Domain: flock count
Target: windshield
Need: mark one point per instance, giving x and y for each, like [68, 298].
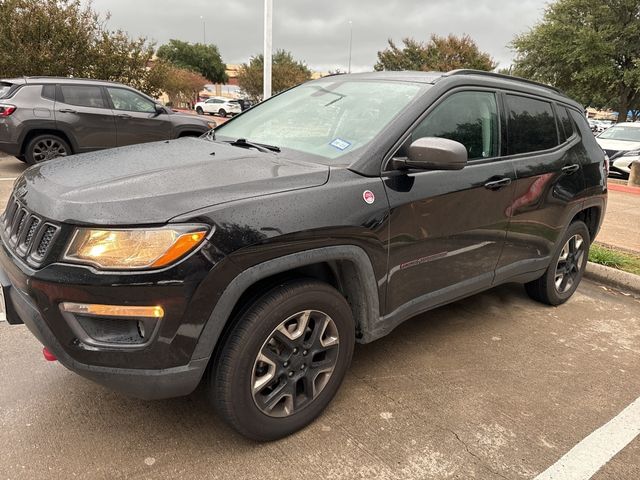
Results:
[622, 132]
[329, 119]
[4, 88]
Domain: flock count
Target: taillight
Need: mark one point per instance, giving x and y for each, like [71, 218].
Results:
[6, 110]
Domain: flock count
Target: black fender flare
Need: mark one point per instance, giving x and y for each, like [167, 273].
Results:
[365, 304]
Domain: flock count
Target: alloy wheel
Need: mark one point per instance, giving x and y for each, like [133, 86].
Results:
[48, 149]
[295, 363]
[569, 263]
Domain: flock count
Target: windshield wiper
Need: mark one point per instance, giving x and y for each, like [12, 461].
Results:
[263, 147]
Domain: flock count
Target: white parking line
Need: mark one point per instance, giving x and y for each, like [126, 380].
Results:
[592, 453]
[8, 178]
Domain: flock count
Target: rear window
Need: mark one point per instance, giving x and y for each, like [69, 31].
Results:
[4, 88]
[83, 95]
[532, 125]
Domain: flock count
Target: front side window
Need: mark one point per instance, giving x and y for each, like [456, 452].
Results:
[532, 125]
[330, 118]
[470, 118]
[130, 101]
[83, 96]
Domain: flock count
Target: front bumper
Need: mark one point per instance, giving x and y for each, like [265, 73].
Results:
[167, 367]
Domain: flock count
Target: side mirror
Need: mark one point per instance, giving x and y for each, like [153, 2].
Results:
[432, 153]
[160, 109]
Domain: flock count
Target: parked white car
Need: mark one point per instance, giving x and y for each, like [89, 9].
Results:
[621, 142]
[218, 106]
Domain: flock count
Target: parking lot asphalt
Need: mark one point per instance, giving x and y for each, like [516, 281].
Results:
[493, 386]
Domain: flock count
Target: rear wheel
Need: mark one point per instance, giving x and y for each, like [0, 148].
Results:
[285, 359]
[46, 147]
[567, 267]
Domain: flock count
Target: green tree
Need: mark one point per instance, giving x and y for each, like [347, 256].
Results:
[180, 84]
[440, 54]
[286, 73]
[67, 38]
[201, 58]
[588, 48]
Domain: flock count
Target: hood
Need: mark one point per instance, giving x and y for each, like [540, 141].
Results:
[155, 182]
[617, 145]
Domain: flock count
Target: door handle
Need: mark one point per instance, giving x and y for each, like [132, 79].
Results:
[67, 110]
[498, 184]
[124, 115]
[569, 169]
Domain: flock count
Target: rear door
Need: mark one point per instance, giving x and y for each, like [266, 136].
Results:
[83, 113]
[447, 228]
[137, 120]
[547, 154]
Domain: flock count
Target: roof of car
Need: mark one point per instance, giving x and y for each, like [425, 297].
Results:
[48, 80]
[627, 124]
[464, 75]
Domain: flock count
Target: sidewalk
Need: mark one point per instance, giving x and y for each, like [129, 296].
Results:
[621, 226]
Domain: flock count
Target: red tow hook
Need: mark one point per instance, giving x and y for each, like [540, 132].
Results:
[48, 356]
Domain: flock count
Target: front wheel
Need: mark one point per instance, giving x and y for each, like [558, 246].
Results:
[562, 277]
[199, 111]
[222, 112]
[285, 359]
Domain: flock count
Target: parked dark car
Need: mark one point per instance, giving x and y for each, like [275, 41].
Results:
[46, 117]
[325, 216]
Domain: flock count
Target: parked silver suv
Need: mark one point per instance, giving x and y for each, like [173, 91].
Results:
[46, 117]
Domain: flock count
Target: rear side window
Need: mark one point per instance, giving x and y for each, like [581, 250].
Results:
[470, 118]
[49, 91]
[532, 125]
[82, 95]
[566, 125]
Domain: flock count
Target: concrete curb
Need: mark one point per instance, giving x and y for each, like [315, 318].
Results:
[610, 276]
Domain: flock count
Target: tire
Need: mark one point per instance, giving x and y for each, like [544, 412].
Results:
[222, 112]
[562, 277]
[46, 147]
[258, 359]
[199, 111]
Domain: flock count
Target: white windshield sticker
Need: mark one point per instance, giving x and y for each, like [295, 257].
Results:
[340, 144]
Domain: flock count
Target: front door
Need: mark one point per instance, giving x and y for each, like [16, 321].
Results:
[447, 228]
[137, 120]
[83, 114]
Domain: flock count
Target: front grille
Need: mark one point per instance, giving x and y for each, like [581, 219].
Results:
[26, 234]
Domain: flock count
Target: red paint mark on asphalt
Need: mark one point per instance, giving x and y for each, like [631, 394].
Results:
[624, 188]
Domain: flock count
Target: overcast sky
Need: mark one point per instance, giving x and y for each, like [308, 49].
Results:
[317, 31]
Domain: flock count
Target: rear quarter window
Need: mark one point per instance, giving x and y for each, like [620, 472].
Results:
[5, 88]
[565, 123]
[531, 126]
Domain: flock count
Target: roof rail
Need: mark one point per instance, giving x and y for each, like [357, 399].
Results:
[469, 71]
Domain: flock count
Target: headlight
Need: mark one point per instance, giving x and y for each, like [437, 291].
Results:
[133, 249]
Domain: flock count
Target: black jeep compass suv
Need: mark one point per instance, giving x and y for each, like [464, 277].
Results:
[255, 257]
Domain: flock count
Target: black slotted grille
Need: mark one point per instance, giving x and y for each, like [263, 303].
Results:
[45, 241]
[27, 234]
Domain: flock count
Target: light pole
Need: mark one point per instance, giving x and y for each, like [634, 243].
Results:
[268, 30]
[350, 43]
[204, 30]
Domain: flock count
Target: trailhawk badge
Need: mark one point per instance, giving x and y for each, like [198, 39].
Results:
[368, 196]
